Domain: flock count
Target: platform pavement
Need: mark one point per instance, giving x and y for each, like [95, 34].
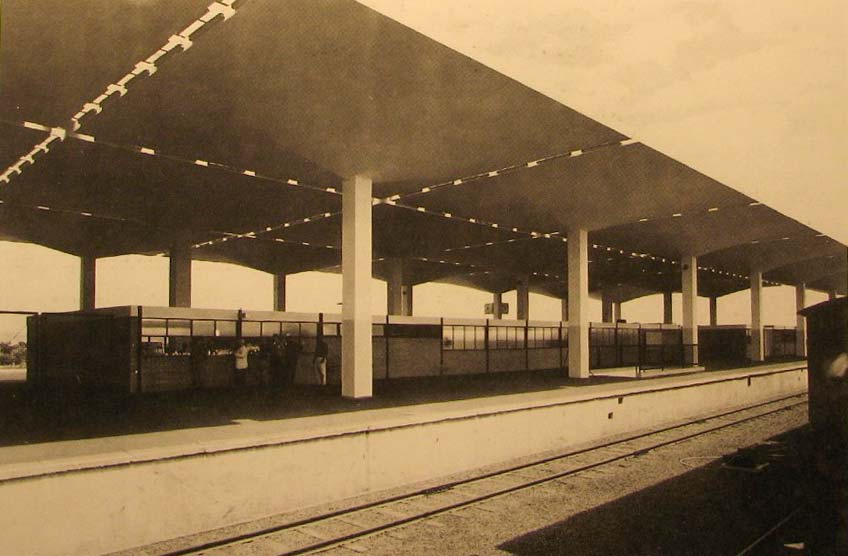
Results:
[12, 374]
[310, 414]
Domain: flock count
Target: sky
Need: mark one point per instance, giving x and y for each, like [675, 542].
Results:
[751, 93]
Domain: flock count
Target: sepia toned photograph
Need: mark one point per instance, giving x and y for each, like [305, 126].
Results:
[406, 277]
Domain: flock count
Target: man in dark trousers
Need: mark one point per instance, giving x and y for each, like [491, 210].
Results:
[291, 355]
[276, 363]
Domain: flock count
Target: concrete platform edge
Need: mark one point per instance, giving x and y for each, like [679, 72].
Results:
[121, 506]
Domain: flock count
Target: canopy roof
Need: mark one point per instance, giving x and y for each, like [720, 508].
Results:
[243, 139]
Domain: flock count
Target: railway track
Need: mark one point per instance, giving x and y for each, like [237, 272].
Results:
[346, 527]
[763, 539]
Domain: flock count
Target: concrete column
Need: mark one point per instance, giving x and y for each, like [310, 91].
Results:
[357, 364]
[179, 283]
[398, 292]
[88, 279]
[713, 311]
[497, 305]
[668, 315]
[522, 298]
[564, 304]
[406, 300]
[394, 287]
[689, 275]
[757, 344]
[606, 308]
[801, 322]
[578, 304]
[616, 311]
[280, 292]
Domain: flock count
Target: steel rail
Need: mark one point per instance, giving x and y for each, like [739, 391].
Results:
[765, 536]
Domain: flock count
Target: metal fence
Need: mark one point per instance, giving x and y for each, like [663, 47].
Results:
[173, 348]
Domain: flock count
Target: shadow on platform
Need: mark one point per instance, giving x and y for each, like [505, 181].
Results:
[28, 417]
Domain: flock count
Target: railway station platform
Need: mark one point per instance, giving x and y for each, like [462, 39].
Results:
[258, 456]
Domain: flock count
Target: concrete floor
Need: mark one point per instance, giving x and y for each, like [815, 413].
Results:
[12, 374]
[28, 417]
[39, 432]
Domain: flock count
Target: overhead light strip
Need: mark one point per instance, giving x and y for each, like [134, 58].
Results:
[509, 169]
[255, 234]
[148, 66]
[60, 134]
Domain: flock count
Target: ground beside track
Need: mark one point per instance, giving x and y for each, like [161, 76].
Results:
[675, 500]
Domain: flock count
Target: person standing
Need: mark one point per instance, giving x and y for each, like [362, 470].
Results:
[241, 365]
[319, 362]
[198, 358]
[276, 364]
[291, 356]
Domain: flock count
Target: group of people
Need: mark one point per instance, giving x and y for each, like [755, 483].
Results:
[282, 355]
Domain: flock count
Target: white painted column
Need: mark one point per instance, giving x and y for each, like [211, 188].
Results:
[668, 308]
[279, 292]
[357, 363]
[606, 308]
[497, 306]
[801, 322]
[713, 311]
[757, 344]
[522, 298]
[179, 282]
[564, 304]
[689, 275]
[578, 304]
[88, 281]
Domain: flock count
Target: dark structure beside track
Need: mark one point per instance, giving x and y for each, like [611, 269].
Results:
[827, 349]
[827, 341]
